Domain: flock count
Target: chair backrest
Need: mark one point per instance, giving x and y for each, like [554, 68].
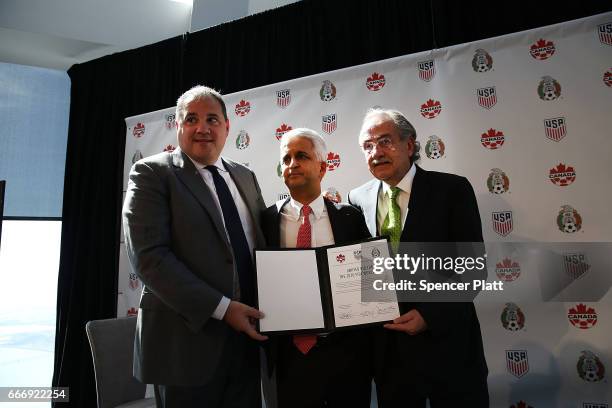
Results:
[112, 348]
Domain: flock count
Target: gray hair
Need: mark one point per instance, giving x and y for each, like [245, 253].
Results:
[318, 143]
[405, 128]
[197, 93]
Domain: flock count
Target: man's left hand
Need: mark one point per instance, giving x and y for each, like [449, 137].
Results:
[410, 323]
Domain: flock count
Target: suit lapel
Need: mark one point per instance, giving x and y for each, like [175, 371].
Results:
[334, 221]
[418, 197]
[274, 231]
[370, 206]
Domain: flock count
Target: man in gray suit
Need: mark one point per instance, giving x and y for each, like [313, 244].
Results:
[191, 220]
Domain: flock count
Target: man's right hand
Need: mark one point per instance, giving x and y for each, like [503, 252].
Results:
[241, 318]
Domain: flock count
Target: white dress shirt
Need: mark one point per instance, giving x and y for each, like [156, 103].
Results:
[291, 218]
[403, 198]
[245, 216]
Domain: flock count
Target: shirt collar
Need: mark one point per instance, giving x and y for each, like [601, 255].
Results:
[405, 183]
[294, 208]
[218, 164]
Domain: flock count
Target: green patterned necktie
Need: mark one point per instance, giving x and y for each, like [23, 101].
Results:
[392, 226]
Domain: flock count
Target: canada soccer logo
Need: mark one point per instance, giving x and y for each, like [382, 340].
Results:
[328, 91]
[340, 258]
[139, 130]
[549, 89]
[169, 148]
[132, 311]
[582, 317]
[333, 161]
[498, 182]
[590, 368]
[283, 98]
[427, 70]
[575, 264]
[502, 222]
[431, 109]
[507, 270]
[137, 156]
[434, 148]
[521, 404]
[134, 281]
[482, 61]
[170, 120]
[555, 128]
[243, 140]
[562, 175]
[512, 317]
[243, 108]
[517, 363]
[280, 131]
[375, 82]
[492, 139]
[568, 220]
[542, 49]
[607, 78]
[329, 123]
[605, 33]
[487, 97]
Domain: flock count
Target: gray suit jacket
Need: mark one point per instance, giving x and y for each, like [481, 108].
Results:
[178, 246]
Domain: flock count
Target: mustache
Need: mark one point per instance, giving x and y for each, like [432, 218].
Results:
[382, 160]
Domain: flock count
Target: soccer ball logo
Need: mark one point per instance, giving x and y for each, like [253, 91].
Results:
[549, 89]
[434, 149]
[512, 317]
[590, 367]
[498, 182]
[243, 140]
[328, 91]
[568, 220]
[482, 61]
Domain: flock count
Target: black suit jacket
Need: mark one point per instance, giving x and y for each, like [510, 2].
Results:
[442, 208]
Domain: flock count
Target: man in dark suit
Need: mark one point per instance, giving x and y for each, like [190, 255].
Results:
[191, 221]
[315, 371]
[433, 350]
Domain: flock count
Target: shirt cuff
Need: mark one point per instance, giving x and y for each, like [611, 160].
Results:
[219, 312]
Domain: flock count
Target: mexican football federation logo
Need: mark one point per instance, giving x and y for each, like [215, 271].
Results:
[139, 130]
[555, 128]
[562, 175]
[434, 148]
[283, 98]
[517, 363]
[575, 264]
[507, 270]
[607, 77]
[582, 317]
[487, 97]
[281, 130]
[482, 61]
[549, 89]
[242, 108]
[431, 109]
[502, 222]
[568, 220]
[329, 123]
[137, 156]
[170, 120]
[427, 70]
[134, 281]
[542, 49]
[605, 33]
[492, 139]
[590, 367]
[333, 161]
[375, 82]
[328, 91]
[512, 317]
[243, 140]
[498, 182]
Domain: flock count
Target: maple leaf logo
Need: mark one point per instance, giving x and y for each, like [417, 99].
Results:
[492, 139]
[541, 43]
[333, 161]
[169, 148]
[542, 49]
[280, 131]
[132, 312]
[582, 309]
[562, 175]
[507, 263]
[375, 81]
[431, 109]
[243, 107]
[607, 78]
[340, 258]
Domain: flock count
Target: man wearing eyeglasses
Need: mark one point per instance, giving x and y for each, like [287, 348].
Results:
[433, 351]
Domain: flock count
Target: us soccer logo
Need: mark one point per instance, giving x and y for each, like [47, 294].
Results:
[328, 91]
[170, 120]
[507, 270]
[492, 139]
[549, 89]
[542, 49]
[329, 123]
[139, 130]
[281, 130]
[575, 264]
[605, 33]
[375, 82]
[283, 98]
[427, 70]
[482, 61]
[431, 109]
[512, 317]
[502, 222]
[137, 156]
[434, 148]
[333, 161]
[568, 220]
[517, 363]
[555, 128]
[590, 367]
[134, 281]
[521, 404]
[607, 78]
[498, 182]
[582, 317]
[243, 140]
[487, 97]
[562, 175]
[242, 108]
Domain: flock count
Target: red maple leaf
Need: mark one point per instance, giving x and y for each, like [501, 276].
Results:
[169, 148]
[376, 76]
[332, 156]
[492, 133]
[507, 263]
[430, 103]
[284, 128]
[582, 309]
[243, 103]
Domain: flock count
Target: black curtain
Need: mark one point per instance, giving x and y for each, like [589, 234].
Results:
[300, 39]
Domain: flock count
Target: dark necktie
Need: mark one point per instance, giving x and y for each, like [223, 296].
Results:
[240, 245]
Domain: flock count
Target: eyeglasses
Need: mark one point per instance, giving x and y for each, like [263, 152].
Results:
[383, 142]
